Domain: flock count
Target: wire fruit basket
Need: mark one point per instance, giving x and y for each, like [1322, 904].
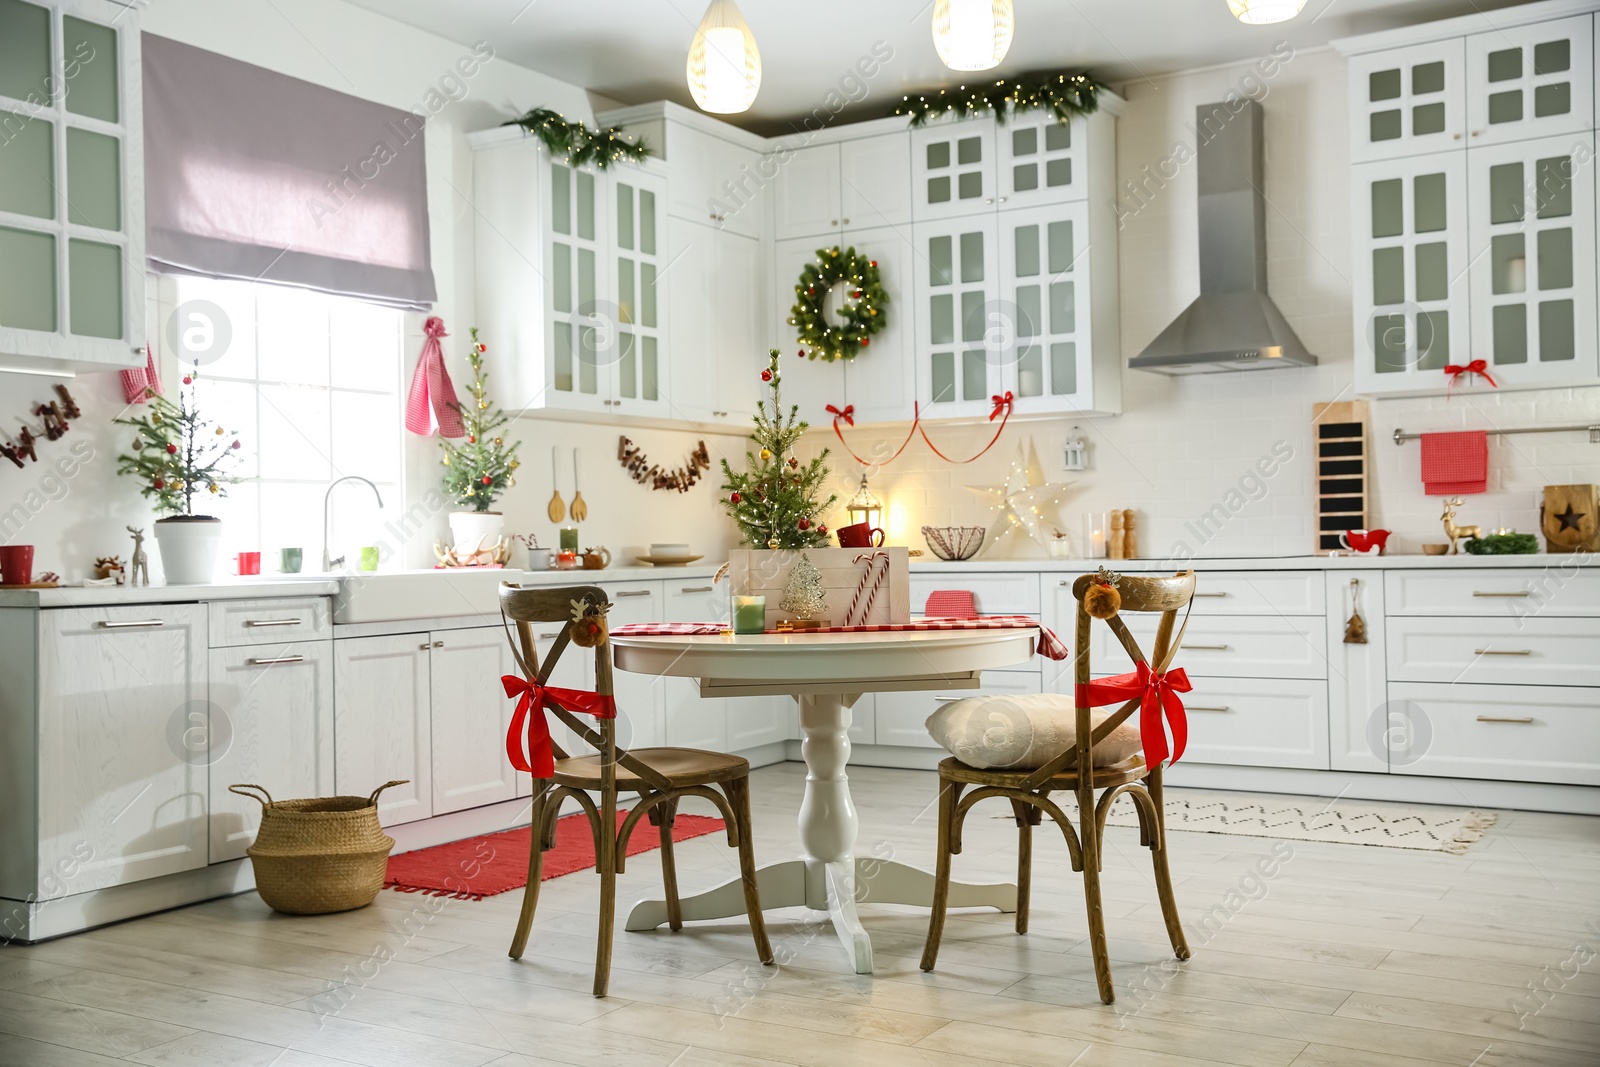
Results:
[953, 543]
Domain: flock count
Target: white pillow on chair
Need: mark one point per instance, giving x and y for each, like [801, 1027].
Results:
[1023, 733]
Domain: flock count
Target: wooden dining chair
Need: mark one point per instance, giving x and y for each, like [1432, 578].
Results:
[660, 777]
[1074, 771]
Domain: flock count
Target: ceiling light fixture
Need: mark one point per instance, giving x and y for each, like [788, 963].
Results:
[724, 63]
[972, 34]
[1265, 12]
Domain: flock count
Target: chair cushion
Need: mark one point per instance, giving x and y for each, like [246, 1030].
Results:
[1023, 732]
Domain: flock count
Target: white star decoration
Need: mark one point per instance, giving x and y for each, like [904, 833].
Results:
[1026, 506]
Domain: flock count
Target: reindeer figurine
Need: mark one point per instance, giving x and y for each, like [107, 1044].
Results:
[1451, 530]
[139, 564]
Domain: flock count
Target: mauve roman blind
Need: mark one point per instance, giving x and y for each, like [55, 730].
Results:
[252, 174]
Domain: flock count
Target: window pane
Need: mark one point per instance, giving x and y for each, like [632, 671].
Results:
[93, 90]
[27, 279]
[365, 346]
[1427, 78]
[1058, 172]
[1060, 250]
[649, 386]
[585, 205]
[1024, 177]
[969, 186]
[1064, 368]
[1433, 272]
[561, 199]
[225, 334]
[1505, 64]
[627, 366]
[624, 215]
[1552, 57]
[647, 295]
[292, 335]
[1505, 193]
[1030, 322]
[296, 441]
[586, 269]
[1505, 107]
[365, 431]
[1433, 340]
[1063, 310]
[1428, 203]
[1057, 137]
[943, 384]
[1557, 339]
[938, 154]
[94, 180]
[1553, 194]
[625, 308]
[1511, 333]
[1383, 85]
[1427, 118]
[939, 189]
[233, 405]
[1027, 250]
[974, 375]
[1385, 125]
[563, 357]
[1508, 264]
[25, 52]
[588, 359]
[1389, 343]
[647, 222]
[94, 286]
[560, 276]
[1552, 100]
[1030, 371]
[1555, 259]
[1025, 141]
[972, 257]
[940, 260]
[972, 308]
[27, 163]
[1388, 276]
[1388, 212]
[969, 150]
[942, 320]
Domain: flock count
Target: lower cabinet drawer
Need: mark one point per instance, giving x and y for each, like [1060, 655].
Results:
[268, 621]
[1224, 646]
[1258, 722]
[1502, 651]
[1501, 732]
[901, 715]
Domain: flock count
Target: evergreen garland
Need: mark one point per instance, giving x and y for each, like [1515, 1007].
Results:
[1067, 95]
[484, 467]
[176, 452]
[578, 145]
[862, 318]
[774, 503]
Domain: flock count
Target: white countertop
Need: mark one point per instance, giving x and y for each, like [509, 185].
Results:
[1262, 563]
[77, 596]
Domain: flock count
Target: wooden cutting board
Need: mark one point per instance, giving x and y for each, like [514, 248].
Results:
[1570, 518]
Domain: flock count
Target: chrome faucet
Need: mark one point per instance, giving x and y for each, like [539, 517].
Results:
[328, 562]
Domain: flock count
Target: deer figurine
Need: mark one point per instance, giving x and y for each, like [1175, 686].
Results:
[1451, 530]
[139, 563]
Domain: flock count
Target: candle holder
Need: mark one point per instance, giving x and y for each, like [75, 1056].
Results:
[749, 614]
[1096, 532]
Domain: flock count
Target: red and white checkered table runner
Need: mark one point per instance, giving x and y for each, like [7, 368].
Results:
[1050, 646]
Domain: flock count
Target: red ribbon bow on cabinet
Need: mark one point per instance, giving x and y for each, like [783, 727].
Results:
[848, 414]
[1002, 402]
[540, 757]
[1480, 367]
[1157, 693]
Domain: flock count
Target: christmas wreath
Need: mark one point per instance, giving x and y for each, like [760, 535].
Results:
[863, 315]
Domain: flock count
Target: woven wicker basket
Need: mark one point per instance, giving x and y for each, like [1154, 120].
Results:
[319, 855]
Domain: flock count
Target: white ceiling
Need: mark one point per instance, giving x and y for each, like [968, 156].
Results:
[632, 51]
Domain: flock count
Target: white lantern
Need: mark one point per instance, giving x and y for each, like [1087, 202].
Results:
[1265, 12]
[724, 63]
[972, 34]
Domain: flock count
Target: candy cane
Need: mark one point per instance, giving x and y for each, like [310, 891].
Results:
[871, 558]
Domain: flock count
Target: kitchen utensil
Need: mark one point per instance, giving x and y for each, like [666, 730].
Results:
[667, 561]
[290, 559]
[538, 559]
[579, 510]
[953, 542]
[859, 535]
[558, 507]
[247, 563]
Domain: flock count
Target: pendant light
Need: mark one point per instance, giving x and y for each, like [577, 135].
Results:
[1265, 12]
[972, 34]
[724, 63]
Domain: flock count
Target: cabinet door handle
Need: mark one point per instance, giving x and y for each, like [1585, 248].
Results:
[424, 646]
[634, 592]
[131, 624]
[268, 661]
[1212, 594]
[1525, 721]
[438, 644]
[1502, 652]
[1206, 648]
[988, 200]
[1003, 199]
[697, 589]
[1202, 707]
[1477, 592]
[833, 222]
[542, 637]
[845, 221]
[272, 622]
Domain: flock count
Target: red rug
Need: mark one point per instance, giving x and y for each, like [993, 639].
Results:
[479, 867]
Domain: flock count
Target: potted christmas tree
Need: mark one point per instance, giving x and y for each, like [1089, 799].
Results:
[774, 503]
[479, 470]
[179, 455]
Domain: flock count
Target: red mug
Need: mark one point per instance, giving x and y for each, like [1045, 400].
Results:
[247, 563]
[16, 564]
[859, 536]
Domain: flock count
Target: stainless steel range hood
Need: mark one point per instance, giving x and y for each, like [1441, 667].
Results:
[1233, 324]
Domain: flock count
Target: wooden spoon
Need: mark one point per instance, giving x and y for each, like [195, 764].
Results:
[580, 510]
[558, 508]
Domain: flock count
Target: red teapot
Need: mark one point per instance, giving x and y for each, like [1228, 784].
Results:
[1365, 540]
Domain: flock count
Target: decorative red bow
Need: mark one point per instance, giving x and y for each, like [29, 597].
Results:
[540, 758]
[1479, 367]
[1002, 402]
[1157, 692]
[848, 414]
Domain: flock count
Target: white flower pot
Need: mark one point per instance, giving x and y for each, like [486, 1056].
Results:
[188, 549]
[474, 530]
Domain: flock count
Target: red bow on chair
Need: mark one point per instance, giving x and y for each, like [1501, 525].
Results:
[848, 414]
[1156, 693]
[540, 758]
[1002, 402]
[1480, 367]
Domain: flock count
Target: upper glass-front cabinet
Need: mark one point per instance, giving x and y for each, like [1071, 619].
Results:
[1531, 81]
[1040, 160]
[962, 334]
[582, 327]
[638, 247]
[71, 195]
[1407, 101]
[952, 170]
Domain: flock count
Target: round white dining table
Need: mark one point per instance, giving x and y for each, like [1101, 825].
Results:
[826, 674]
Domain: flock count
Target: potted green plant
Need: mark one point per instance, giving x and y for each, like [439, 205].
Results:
[178, 455]
[481, 467]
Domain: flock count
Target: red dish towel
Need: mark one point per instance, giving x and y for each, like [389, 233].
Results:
[1454, 464]
[951, 604]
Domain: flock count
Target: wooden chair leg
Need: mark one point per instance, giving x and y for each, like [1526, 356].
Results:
[664, 815]
[530, 894]
[948, 795]
[1027, 817]
[605, 850]
[738, 792]
[1158, 856]
[1091, 894]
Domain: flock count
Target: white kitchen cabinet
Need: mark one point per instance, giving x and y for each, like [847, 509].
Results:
[1542, 733]
[639, 699]
[71, 186]
[693, 721]
[828, 188]
[962, 334]
[1409, 275]
[637, 361]
[952, 169]
[123, 744]
[382, 724]
[469, 716]
[1408, 101]
[1258, 722]
[806, 200]
[713, 179]
[1040, 160]
[1046, 299]
[902, 717]
[715, 296]
[1531, 81]
[271, 724]
[1357, 682]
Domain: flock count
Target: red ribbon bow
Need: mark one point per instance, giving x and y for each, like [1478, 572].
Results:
[1002, 402]
[848, 414]
[1479, 367]
[540, 757]
[1157, 693]
[433, 398]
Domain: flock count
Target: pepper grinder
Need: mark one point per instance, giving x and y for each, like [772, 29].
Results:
[1130, 543]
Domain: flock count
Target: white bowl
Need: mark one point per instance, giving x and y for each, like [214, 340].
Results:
[669, 551]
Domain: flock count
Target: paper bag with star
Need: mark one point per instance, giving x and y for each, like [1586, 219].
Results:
[1570, 518]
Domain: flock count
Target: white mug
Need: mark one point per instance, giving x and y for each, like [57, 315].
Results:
[538, 559]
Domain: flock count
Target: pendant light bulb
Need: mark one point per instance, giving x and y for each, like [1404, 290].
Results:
[972, 34]
[724, 66]
[1265, 12]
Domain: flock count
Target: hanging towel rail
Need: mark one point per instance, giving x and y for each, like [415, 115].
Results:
[1593, 429]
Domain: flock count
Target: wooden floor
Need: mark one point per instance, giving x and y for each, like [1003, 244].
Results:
[1341, 955]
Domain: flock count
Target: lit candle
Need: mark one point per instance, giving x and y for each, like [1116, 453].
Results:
[749, 614]
[569, 538]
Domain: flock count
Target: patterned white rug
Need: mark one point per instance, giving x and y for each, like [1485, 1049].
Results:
[1348, 822]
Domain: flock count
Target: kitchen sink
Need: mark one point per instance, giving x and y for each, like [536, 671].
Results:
[383, 596]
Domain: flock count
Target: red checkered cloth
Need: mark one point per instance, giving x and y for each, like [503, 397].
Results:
[1050, 646]
[1455, 464]
[951, 604]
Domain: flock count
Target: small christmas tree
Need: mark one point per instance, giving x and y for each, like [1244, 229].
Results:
[178, 453]
[775, 502]
[803, 593]
[480, 470]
